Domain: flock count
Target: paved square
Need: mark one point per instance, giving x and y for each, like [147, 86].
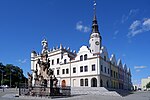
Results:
[9, 94]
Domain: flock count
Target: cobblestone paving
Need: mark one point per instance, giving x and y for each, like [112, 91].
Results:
[9, 94]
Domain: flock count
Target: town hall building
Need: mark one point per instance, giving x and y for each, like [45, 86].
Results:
[91, 66]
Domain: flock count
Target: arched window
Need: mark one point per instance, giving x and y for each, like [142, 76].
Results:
[63, 83]
[81, 58]
[93, 82]
[107, 83]
[81, 82]
[85, 57]
[86, 82]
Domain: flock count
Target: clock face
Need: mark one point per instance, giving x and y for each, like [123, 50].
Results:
[97, 43]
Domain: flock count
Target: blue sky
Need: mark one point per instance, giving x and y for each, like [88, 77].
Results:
[124, 26]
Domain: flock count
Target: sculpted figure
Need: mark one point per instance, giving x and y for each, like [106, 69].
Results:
[45, 46]
[55, 81]
[30, 79]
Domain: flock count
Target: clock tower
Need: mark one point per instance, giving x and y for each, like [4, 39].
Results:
[95, 38]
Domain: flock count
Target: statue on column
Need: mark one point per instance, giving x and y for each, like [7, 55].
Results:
[45, 46]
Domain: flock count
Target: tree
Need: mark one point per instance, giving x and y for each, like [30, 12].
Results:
[11, 75]
[148, 85]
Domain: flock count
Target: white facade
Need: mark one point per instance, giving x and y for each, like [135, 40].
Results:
[90, 66]
[144, 82]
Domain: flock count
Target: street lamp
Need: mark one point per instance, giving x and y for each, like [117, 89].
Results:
[2, 76]
[2, 79]
[10, 78]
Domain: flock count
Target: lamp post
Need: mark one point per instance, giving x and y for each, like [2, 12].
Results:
[2, 78]
[10, 78]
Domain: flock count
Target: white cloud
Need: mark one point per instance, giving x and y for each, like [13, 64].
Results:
[81, 27]
[139, 26]
[139, 67]
[131, 13]
[146, 24]
[116, 32]
[86, 29]
[135, 24]
[138, 70]
[22, 61]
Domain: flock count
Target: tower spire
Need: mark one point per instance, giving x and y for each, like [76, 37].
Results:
[95, 37]
[95, 25]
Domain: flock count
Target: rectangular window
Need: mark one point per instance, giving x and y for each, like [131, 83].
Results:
[81, 82]
[57, 71]
[85, 57]
[81, 69]
[81, 58]
[53, 62]
[85, 68]
[93, 67]
[105, 69]
[86, 82]
[114, 74]
[65, 61]
[108, 70]
[57, 60]
[111, 73]
[74, 69]
[102, 68]
[104, 58]
[67, 71]
[63, 71]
